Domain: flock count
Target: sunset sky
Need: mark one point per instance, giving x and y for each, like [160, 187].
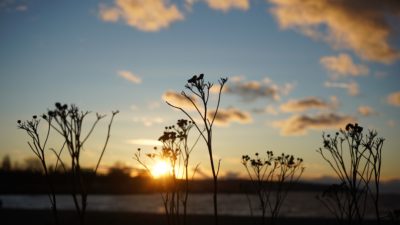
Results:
[295, 68]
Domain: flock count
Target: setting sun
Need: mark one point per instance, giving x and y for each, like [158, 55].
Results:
[161, 168]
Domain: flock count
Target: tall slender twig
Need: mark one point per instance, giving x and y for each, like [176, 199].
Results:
[201, 89]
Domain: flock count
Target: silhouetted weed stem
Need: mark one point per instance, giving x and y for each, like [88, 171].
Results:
[176, 151]
[67, 121]
[38, 148]
[201, 89]
[283, 171]
[356, 159]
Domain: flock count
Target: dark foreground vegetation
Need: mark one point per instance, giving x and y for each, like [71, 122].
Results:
[44, 217]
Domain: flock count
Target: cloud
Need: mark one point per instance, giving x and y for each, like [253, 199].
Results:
[148, 121]
[343, 65]
[226, 5]
[129, 76]
[270, 109]
[179, 100]
[394, 99]
[21, 8]
[366, 110]
[361, 26]
[148, 15]
[146, 142]
[351, 87]
[391, 123]
[226, 116]
[153, 105]
[13, 5]
[305, 104]
[300, 124]
[252, 90]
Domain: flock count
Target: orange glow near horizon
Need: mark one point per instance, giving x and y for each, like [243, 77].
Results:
[160, 169]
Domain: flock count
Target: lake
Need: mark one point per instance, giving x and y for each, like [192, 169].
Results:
[297, 204]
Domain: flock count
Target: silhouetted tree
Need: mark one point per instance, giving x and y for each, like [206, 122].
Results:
[6, 163]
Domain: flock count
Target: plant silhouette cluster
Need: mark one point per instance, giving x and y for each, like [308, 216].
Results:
[282, 171]
[356, 158]
[176, 152]
[67, 122]
[199, 90]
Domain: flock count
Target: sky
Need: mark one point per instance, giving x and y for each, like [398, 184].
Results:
[295, 69]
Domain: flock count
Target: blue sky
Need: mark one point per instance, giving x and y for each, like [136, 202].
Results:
[294, 71]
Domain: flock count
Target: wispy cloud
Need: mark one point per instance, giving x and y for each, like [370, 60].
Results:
[394, 99]
[270, 109]
[148, 15]
[129, 76]
[252, 90]
[365, 110]
[343, 65]
[361, 26]
[226, 5]
[391, 123]
[351, 87]
[308, 103]
[148, 121]
[301, 124]
[21, 8]
[13, 5]
[221, 5]
[227, 116]
[179, 100]
[145, 142]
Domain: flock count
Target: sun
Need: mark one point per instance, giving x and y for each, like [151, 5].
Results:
[161, 168]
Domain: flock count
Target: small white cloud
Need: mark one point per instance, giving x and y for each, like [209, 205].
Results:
[134, 108]
[270, 109]
[252, 90]
[365, 110]
[226, 5]
[153, 105]
[351, 87]
[343, 65]
[226, 116]
[129, 76]
[21, 8]
[394, 99]
[148, 121]
[145, 15]
[145, 142]
[391, 123]
[305, 104]
[300, 124]
[179, 100]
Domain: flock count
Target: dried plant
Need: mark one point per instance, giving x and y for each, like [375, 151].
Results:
[272, 178]
[68, 122]
[38, 146]
[356, 159]
[199, 89]
[176, 152]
